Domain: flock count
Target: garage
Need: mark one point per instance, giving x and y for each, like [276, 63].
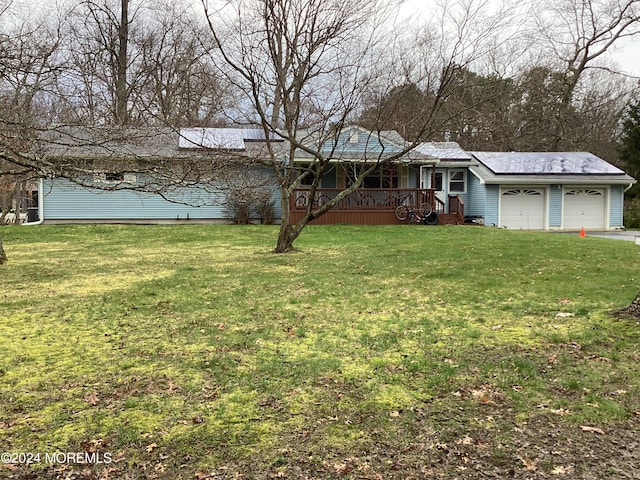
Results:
[522, 208]
[584, 207]
[549, 190]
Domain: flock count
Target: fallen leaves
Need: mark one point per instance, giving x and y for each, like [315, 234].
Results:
[151, 447]
[530, 465]
[92, 399]
[467, 440]
[585, 428]
[562, 470]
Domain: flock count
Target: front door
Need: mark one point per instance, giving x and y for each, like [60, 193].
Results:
[435, 180]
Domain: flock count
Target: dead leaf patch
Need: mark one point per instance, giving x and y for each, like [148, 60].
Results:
[585, 428]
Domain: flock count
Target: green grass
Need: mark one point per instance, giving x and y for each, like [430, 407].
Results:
[200, 341]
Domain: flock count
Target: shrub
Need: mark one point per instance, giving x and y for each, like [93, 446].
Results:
[243, 203]
[632, 213]
[238, 205]
[265, 207]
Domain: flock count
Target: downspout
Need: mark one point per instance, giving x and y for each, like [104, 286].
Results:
[40, 205]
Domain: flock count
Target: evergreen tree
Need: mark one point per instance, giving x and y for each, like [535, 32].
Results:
[629, 150]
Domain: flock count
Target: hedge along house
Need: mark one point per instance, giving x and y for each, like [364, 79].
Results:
[547, 191]
[412, 179]
[152, 175]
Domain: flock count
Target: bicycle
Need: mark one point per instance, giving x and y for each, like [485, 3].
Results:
[425, 214]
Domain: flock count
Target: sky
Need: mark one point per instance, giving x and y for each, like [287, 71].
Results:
[627, 55]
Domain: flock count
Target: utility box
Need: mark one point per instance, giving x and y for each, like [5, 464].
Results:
[32, 214]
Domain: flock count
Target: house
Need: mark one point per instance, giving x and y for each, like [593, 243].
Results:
[535, 191]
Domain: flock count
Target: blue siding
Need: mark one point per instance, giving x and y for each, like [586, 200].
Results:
[476, 196]
[413, 177]
[64, 200]
[556, 199]
[492, 196]
[616, 206]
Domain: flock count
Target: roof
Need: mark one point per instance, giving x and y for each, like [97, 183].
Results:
[356, 144]
[443, 151]
[150, 142]
[546, 167]
[221, 138]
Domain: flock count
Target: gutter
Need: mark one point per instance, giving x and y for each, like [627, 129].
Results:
[40, 205]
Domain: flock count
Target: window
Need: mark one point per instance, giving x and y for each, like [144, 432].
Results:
[307, 180]
[457, 181]
[381, 177]
[114, 177]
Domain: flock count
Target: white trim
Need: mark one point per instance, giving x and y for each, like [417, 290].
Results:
[464, 181]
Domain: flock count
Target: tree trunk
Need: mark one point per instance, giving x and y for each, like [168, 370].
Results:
[633, 310]
[121, 76]
[285, 240]
[288, 232]
[3, 256]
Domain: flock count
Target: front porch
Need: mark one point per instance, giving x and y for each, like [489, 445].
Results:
[374, 206]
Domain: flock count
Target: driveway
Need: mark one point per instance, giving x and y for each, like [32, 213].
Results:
[629, 235]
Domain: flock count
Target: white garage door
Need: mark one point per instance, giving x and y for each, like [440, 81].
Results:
[584, 207]
[522, 208]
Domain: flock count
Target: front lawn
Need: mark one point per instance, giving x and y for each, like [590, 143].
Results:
[403, 352]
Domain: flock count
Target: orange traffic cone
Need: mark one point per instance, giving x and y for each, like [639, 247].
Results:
[583, 233]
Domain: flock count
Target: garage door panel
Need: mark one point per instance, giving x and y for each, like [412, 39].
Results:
[523, 208]
[584, 207]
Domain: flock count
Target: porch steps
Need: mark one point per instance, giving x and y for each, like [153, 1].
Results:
[449, 219]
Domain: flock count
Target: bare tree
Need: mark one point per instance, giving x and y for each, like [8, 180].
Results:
[180, 85]
[101, 58]
[135, 62]
[576, 35]
[28, 71]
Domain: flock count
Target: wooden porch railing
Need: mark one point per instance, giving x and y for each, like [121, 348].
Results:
[364, 199]
[456, 207]
[374, 205]
[455, 211]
